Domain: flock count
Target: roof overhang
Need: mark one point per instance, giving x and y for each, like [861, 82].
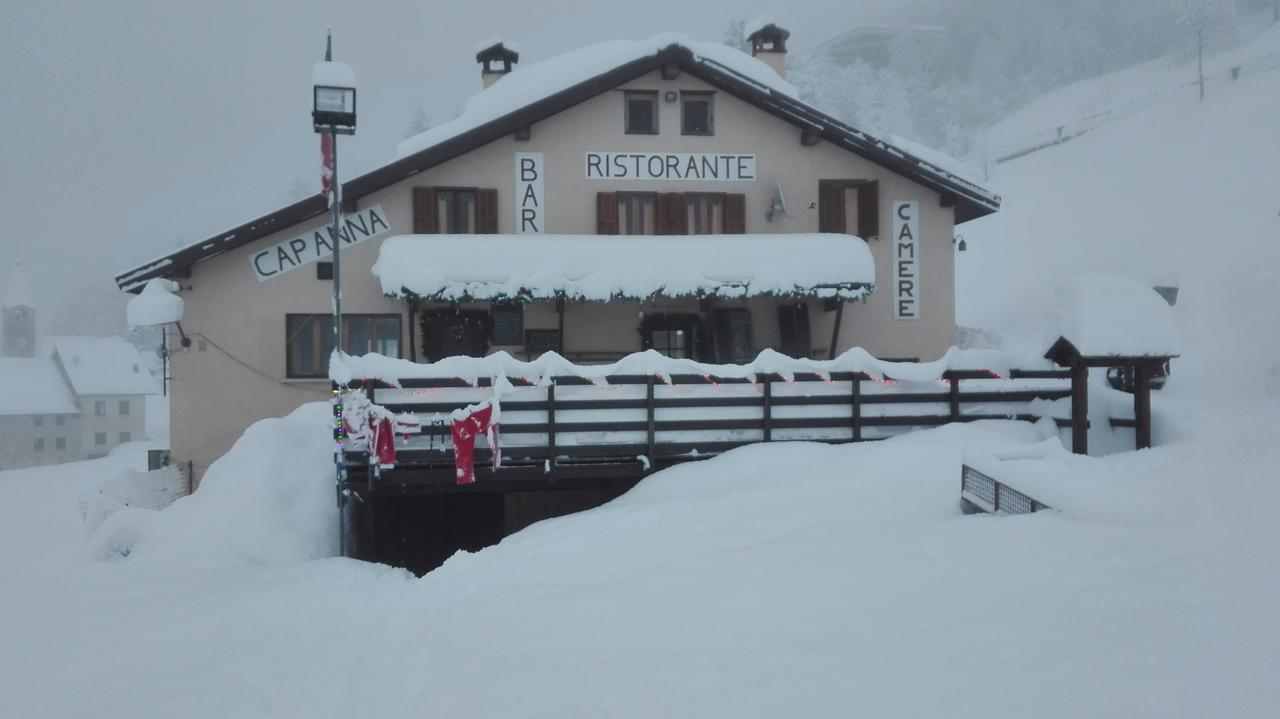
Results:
[457, 268]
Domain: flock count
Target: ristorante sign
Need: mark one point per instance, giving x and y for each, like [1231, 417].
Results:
[317, 244]
[696, 166]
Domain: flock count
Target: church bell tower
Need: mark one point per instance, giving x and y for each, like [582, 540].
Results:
[17, 318]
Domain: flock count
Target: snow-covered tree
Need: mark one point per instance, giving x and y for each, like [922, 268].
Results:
[420, 123]
[1202, 20]
[733, 35]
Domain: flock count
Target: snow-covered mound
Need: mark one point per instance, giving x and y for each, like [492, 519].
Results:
[1175, 193]
[270, 499]
[1113, 315]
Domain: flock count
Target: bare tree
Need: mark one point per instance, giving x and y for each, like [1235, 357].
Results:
[1202, 19]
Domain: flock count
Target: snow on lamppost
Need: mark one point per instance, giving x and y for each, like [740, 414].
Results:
[333, 113]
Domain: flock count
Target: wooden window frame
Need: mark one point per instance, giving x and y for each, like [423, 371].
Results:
[443, 220]
[721, 197]
[698, 95]
[627, 97]
[493, 330]
[318, 341]
[622, 197]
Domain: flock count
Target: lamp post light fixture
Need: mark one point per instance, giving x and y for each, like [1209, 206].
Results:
[333, 113]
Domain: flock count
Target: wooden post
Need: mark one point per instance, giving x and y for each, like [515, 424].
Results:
[1142, 406]
[768, 407]
[413, 343]
[835, 330]
[855, 397]
[953, 397]
[368, 549]
[560, 324]
[650, 424]
[551, 430]
[1079, 408]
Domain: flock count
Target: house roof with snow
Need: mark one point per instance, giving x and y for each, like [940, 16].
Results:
[103, 365]
[595, 267]
[535, 92]
[35, 386]
[1112, 316]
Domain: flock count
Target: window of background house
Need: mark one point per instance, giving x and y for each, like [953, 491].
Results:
[60, 443]
[124, 407]
[456, 210]
[38, 420]
[309, 340]
[642, 113]
[39, 444]
[637, 213]
[100, 409]
[60, 420]
[125, 437]
[696, 114]
[706, 214]
[99, 438]
[508, 323]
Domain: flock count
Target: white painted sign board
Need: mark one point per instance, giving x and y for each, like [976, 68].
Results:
[694, 166]
[906, 260]
[317, 244]
[530, 202]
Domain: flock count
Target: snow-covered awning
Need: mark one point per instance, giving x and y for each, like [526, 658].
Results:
[605, 267]
[1106, 315]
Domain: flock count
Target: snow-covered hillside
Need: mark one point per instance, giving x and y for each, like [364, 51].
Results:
[1173, 192]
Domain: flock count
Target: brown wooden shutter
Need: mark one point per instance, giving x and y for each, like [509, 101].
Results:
[869, 209]
[830, 206]
[673, 213]
[663, 211]
[793, 329]
[606, 213]
[486, 211]
[424, 211]
[735, 214]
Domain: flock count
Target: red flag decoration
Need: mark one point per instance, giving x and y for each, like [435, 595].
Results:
[326, 163]
[467, 424]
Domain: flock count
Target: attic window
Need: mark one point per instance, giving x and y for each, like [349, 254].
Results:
[696, 114]
[641, 113]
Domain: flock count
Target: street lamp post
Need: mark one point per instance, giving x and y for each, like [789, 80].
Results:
[333, 113]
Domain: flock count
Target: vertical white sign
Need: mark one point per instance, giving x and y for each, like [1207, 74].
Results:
[530, 206]
[906, 260]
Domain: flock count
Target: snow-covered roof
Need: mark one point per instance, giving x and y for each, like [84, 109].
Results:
[156, 305]
[535, 81]
[34, 386]
[756, 25]
[103, 365]
[17, 293]
[496, 39]
[603, 267]
[939, 159]
[1105, 315]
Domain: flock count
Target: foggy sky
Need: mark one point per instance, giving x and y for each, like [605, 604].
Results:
[130, 128]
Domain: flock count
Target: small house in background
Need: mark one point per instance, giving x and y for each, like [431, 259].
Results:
[1112, 321]
[66, 398]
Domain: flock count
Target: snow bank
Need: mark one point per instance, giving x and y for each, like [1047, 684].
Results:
[1113, 315]
[155, 305]
[592, 267]
[34, 385]
[343, 368]
[333, 74]
[270, 500]
[535, 81]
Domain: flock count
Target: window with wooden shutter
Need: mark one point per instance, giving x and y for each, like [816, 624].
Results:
[831, 206]
[869, 209]
[732, 333]
[671, 214]
[486, 211]
[735, 214]
[606, 213]
[424, 211]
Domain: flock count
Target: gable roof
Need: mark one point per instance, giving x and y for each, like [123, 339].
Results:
[35, 386]
[535, 92]
[103, 365]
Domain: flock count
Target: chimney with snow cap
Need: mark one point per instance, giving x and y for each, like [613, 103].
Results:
[768, 43]
[496, 58]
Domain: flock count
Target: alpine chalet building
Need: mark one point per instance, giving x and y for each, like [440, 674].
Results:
[661, 194]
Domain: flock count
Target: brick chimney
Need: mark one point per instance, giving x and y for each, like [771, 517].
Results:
[769, 44]
[496, 59]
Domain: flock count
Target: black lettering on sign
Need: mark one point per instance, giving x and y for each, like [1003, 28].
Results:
[257, 264]
[743, 172]
[594, 161]
[283, 257]
[530, 197]
[323, 248]
[527, 220]
[529, 170]
[375, 221]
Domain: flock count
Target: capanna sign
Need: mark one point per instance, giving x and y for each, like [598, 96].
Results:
[317, 244]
